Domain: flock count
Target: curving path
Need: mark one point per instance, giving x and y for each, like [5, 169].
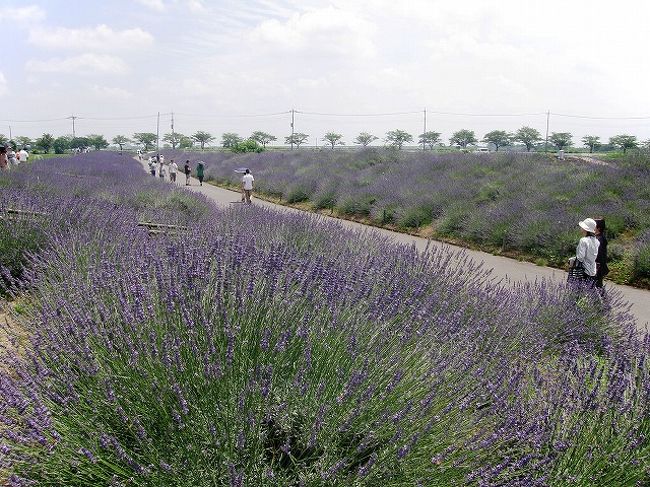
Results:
[502, 267]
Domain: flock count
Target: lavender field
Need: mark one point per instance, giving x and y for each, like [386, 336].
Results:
[516, 204]
[253, 349]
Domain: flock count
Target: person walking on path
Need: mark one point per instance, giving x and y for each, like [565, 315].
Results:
[583, 267]
[12, 158]
[161, 169]
[247, 185]
[23, 156]
[152, 166]
[4, 162]
[188, 172]
[601, 259]
[200, 168]
[173, 169]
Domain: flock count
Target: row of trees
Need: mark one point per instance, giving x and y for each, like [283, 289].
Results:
[258, 140]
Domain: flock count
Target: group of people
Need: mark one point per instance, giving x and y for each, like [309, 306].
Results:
[590, 262]
[9, 157]
[158, 167]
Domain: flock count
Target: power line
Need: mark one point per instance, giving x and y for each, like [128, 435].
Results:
[275, 114]
[589, 117]
[358, 114]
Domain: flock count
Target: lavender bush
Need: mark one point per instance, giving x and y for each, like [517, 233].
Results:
[253, 350]
[505, 202]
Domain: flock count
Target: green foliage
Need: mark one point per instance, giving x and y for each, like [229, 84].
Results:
[203, 138]
[173, 139]
[249, 145]
[625, 142]
[98, 142]
[297, 195]
[4, 140]
[61, 144]
[527, 136]
[397, 138]
[121, 140]
[17, 240]
[263, 138]
[333, 138]
[463, 138]
[186, 142]
[561, 139]
[146, 139]
[230, 140]
[429, 138]
[45, 142]
[591, 141]
[500, 138]
[22, 141]
[364, 139]
[296, 139]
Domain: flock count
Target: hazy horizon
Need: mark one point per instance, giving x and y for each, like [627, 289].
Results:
[231, 66]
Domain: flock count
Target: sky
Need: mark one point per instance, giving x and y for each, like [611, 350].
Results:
[346, 66]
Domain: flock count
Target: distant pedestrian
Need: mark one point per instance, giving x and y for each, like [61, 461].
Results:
[247, 185]
[161, 169]
[173, 169]
[200, 168]
[188, 172]
[601, 259]
[23, 156]
[12, 157]
[4, 162]
[583, 265]
[152, 165]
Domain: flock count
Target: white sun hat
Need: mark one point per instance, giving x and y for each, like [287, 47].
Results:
[588, 224]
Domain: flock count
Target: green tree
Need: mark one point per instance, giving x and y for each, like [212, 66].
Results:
[79, 143]
[429, 138]
[561, 139]
[4, 140]
[173, 139]
[203, 138]
[591, 141]
[499, 138]
[333, 138]
[61, 144]
[397, 138]
[527, 136]
[230, 140]
[623, 141]
[463, 138]
[146, 139]
[186, 142]
[97, 141]
[263, 138]
[121, 141]
[365, 139]
[296, 139]
[22, 141]
[45, 142]
[248, 145]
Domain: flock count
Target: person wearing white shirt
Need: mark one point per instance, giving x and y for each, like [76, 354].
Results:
[173, 169]
[23, 155]
[587, 251]
[247, 185]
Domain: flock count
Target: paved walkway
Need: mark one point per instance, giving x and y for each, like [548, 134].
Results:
[502, 267]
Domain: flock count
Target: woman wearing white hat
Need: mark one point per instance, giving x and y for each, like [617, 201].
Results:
[585, 261]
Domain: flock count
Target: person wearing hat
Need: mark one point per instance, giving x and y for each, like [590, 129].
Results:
[4, 162]
[601, 259]
[584, 267]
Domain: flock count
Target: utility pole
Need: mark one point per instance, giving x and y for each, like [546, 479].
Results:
[425, 129]
[173, 138]
[158, 134]
[73, 118]
[293, 113]
[10, 137]
[548, 117]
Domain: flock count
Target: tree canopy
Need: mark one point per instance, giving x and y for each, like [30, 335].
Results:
[333, 138]
[146, 139]
[527, 136]
[397, 138]
[364, 139]
[45, 142]
[263, 137]
[98, 142]
[173, 139]
[561, 139]
[624, 141]
[429, 138]
[296, 139]
[230, 140]
[591, 141]
[203, 138]
[499, 138]
[121, 141]
[463, 138]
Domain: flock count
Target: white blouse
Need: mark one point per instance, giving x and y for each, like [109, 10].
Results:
[586, 253]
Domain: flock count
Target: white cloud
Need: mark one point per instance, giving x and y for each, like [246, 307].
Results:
[109, 92]
[157, 5]
[4, 89]
[83, 64]
[15, 15]
[195, 6]
[101, 38]
[326, 30]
